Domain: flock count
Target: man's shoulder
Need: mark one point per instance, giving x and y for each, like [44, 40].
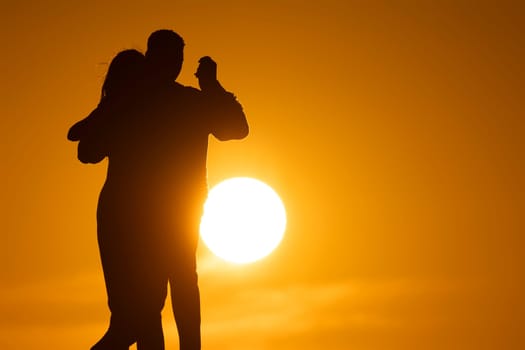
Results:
[183, 98]
[188, 90]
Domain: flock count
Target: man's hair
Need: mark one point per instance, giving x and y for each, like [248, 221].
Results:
[164, 39]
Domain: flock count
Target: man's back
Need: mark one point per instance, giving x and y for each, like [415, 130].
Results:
[162, 152]
[172, 138]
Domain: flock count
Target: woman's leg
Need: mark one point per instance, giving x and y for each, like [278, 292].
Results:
[115, 254]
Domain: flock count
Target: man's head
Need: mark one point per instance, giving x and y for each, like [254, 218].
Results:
[165, 53]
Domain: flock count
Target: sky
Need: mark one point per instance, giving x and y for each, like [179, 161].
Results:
[392, 130]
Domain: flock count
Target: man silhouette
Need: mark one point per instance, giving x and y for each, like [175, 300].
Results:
[176, 142]
[151, 204]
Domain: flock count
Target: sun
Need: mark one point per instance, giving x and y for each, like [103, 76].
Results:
[244, 220]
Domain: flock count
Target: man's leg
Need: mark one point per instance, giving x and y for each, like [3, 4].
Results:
[185, 300]
[182, 268]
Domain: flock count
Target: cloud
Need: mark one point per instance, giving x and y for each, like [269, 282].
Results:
[292, 309]
[243, 310]
[57, 302]
[366, 314]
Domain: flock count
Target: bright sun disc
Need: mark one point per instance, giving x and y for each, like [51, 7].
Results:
[244, 220]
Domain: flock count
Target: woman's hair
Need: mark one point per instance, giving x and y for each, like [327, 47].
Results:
[124, 73]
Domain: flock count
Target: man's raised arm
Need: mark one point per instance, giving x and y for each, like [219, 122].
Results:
[228, 121]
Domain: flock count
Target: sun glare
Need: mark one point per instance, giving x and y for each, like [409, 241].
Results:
[244, 220]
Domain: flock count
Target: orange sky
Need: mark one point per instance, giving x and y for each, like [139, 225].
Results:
[393, 131]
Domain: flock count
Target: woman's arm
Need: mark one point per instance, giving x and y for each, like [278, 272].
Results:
[76, 131]
[92, 146]
[90, 134]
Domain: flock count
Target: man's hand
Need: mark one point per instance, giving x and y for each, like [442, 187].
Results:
[207, 74]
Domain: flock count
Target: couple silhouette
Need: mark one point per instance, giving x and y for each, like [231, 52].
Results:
[154, 132]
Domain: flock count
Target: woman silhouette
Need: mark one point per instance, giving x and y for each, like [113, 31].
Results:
[121, 83]
[107, 132]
